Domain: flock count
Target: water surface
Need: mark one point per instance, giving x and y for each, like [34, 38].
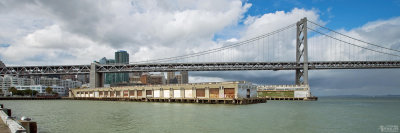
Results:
[326, 115]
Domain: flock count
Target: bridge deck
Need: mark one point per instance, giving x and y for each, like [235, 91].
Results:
[210, 66]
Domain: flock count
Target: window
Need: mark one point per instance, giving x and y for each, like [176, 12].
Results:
[200, 93]
[148, 92]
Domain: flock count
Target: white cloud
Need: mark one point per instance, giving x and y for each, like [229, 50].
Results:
[272, 21]
[79, 31]
[277, 47]
[146, 29]
[335, 82]
[53, 46]
[201, 79]
[382, 32]
[232, 40]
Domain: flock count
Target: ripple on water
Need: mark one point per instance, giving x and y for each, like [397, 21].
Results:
[325, 115]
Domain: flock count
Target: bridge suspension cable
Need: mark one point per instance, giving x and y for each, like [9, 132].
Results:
[218, 49]
[352, 43]
[277, 46]
[351, 37]
[332, 45]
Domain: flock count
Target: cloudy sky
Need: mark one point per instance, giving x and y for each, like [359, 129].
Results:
[53, 32]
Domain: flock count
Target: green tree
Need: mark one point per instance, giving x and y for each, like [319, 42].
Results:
[34, 92]
[13, 90]
[27, 92]
[19, 92]
[49, 90]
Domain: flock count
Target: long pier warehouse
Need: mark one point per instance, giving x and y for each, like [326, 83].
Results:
[237, 92]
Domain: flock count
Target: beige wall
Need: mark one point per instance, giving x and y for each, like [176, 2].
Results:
[240, 92]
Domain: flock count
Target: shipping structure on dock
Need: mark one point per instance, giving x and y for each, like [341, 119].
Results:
[235, 92]
[285, 92]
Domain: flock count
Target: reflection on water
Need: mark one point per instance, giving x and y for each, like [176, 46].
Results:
[325, 115]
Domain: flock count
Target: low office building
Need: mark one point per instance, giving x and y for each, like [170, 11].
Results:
[214, 92]
[42, 89]
[285, 92]
[8, 81]
[68, 84]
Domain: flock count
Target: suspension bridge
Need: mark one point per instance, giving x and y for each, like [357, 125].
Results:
[301, 46]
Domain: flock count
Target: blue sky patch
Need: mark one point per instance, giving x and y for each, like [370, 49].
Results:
[346, 14]
[4, 45]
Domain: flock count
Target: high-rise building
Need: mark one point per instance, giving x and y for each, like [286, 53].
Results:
[103, 60]
[152, 79]
[145, 78]
[84, 78]
[170, 77]
[121, 57]
[178, 78]
[157, 79]
[134, 79]
[109, 78]
[181, 78]
[185, 77]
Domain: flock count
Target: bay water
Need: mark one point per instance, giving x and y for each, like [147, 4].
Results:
[328, 114]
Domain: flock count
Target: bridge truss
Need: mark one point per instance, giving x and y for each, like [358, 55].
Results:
[212, 66]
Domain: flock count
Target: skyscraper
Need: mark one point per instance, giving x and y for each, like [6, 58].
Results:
[185, 77]
[170, 77]
[122, 57]
[181, 78]
[103, 60]
[109, 78]
[178, 79]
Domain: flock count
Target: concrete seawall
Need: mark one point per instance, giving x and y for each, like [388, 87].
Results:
[30, 98]
[239, 101]
[13, 125]
[4, 127]
[10, 124]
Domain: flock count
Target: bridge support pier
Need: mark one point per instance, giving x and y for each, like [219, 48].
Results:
[96, 79]
[302, 54]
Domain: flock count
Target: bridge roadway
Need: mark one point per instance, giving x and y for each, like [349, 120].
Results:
[212, 66]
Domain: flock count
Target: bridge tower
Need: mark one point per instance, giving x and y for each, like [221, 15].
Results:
[96, 79]
[301, 54]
